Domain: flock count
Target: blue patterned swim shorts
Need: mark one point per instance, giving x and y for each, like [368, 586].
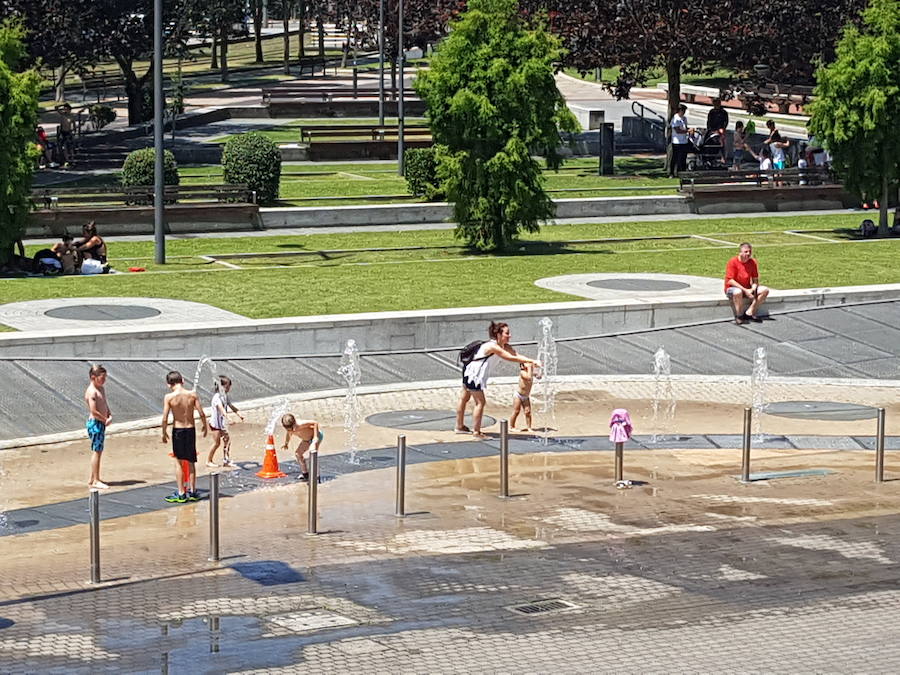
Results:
[97, 433]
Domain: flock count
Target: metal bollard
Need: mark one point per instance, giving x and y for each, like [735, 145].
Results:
[745, 459]
[400, 509]
[214, 518]
[94, 505]
[620, 447]
[313, 488]
[504, 458]
[879, 448]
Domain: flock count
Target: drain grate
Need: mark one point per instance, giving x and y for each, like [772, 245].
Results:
[542, 607]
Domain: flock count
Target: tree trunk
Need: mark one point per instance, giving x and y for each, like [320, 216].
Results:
[257, 29]
[224, 40]
[214, 61]
[60, 84]
[897, 211]
[301, 32]
[320, 27]
[883, 228]
[393, 79]
[673, 79]
[286, 22]
[134, 90]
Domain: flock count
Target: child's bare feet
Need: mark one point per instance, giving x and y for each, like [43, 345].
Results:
[212, 465]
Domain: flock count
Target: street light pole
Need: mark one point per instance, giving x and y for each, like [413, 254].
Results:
[400, 99]
[381, 62]
[159, 222]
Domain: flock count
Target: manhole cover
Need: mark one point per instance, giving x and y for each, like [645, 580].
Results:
[821, 410]
[542, 607]
[102, 312]
[427, 420]
[639, 284]
[315, 619]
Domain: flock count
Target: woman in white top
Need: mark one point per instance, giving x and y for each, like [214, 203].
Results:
[477, 372]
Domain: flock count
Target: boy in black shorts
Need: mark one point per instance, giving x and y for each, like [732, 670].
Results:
[182, 404]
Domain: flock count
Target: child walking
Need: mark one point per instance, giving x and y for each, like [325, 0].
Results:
[218, 423]
[307, 432]
[522, 401]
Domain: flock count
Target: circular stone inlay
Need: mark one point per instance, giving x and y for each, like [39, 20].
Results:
[821, 410]
[102, 312]
[638, 284]
[426, 420]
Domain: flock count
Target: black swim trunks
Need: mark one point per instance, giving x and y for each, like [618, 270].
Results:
[184, 443]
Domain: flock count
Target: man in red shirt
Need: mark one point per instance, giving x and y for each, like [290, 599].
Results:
[742, 282]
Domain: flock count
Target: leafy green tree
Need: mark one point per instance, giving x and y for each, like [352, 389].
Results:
[18, 117]
[492, 100]
[857, 108]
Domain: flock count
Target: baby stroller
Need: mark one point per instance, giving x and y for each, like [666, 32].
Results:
[706, 152]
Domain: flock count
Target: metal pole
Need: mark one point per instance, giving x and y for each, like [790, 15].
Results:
[94, 504]
[745, 458]
[381, 62]
[400, 509]
[504, 458]
[159, 222]
[619, 461]
[313, 505]
[214, 518]
[400, 61]
[879, 448]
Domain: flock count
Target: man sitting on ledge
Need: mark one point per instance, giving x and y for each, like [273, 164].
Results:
[742, 281]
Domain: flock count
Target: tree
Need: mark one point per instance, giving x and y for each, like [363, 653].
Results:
[492, 100]
[856, 112]
[18, 118]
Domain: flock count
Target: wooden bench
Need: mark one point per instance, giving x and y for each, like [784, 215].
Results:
[288, 93]
[345, 131]
[99, 81]
[142, 195]
[695, 181]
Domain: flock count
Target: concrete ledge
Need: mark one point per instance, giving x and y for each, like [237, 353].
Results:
[421, 330]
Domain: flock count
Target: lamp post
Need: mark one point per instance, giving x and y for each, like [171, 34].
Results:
[381, 62]
[159, 216]
[400, 99]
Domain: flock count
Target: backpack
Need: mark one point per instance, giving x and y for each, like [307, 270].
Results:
[467, 353]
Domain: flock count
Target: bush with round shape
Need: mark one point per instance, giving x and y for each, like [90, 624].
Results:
[138, 168]
[253, 160]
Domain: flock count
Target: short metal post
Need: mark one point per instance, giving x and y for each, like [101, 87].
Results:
[400, 509]
[214, 518]
[355, 81]
[94, 503]
[619, 461]
[504, 458]
[313, 488]
[745, 459]
[879, 448]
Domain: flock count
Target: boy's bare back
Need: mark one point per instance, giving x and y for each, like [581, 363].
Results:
[182, 405]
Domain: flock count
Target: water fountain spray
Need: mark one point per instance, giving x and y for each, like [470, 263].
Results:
[350, 371]
[664, 403]
[213, 371]
[759, 380]
[549, 359]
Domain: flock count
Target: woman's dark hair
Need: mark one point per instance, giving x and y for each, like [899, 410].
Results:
[90, 229]
[496, 328]
[67, 238]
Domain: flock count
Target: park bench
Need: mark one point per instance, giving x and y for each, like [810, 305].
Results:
[100, 81]
[374, 132]
[142, 195]
[706, 181]
[289, 93]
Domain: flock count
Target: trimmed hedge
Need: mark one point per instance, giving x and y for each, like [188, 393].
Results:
[253, 160]
[420, 169]
[138, 168]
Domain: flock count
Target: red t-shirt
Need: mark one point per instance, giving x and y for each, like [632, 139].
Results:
[740, 272]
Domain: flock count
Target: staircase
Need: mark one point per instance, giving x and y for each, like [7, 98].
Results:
[101, 156]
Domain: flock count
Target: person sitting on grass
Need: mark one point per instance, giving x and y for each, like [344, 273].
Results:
[742, 282]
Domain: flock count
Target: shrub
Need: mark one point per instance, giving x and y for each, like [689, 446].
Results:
[255, 161]
[139, 165]
[101, 115]
[420, 168]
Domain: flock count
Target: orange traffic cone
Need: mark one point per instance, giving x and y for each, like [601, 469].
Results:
[185, 475]
[270, 463]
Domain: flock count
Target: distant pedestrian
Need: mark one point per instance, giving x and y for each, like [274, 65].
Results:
[739, 141]
[477, 360]
[218, 422]
[308, 433]
[181, 404]
[99, 417]
[680, 142]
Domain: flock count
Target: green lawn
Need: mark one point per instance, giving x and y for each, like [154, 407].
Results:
[332, 273]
